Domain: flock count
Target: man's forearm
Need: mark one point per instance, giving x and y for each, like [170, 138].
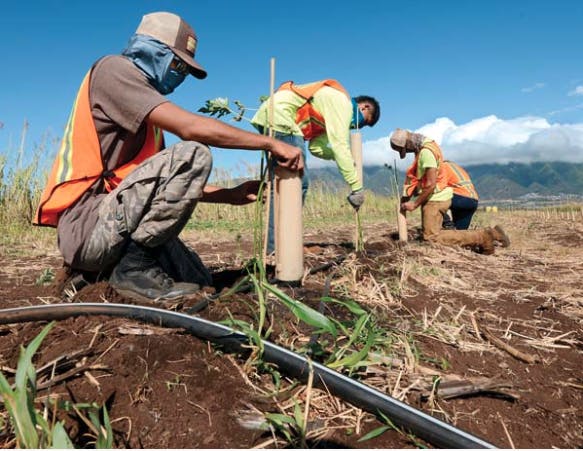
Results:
[216, 194]
[424, 196]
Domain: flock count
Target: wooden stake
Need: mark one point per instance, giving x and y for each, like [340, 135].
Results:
[356, 149]
[402, 223]
[269, 188]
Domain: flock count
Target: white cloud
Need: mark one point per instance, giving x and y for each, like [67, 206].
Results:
[492, 140]
[578, 91]
[534, 87]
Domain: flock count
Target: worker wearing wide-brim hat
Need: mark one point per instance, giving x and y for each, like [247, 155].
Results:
[426, 187]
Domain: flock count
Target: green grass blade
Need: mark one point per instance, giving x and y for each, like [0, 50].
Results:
[25, 369]
[305, 313]
[358, 327]
[60, 438]
[356, 358]
[105, 436]
[351, 305]
[374, 433]
[16, 403]
[261, 299]
[279, 419]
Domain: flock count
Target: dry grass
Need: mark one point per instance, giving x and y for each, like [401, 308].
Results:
[541, 270]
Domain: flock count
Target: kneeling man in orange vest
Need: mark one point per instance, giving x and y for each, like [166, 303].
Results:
[426, 187]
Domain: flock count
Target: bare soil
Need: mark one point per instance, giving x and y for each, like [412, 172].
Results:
[510, 323]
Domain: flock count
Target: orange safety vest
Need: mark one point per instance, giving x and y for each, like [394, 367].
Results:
[459, 180]
[310, 121]
[79, 164]
[412, 184]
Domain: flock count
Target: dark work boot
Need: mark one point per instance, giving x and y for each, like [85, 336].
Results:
[499, 235]
[138, 274]
[448, 223]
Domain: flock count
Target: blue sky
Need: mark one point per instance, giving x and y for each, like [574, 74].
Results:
[489, 79]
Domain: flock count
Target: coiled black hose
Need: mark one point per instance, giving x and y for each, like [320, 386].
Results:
[424, 426]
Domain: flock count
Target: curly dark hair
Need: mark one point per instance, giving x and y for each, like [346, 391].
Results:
[376, 113]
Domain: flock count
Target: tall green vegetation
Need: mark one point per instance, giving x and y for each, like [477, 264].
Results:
[21, 181]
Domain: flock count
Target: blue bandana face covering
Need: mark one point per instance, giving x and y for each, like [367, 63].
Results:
[154, 59]
[357, 117]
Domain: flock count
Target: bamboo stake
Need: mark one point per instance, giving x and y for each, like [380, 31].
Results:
[356, 149]
[401, 215]
[269, 188]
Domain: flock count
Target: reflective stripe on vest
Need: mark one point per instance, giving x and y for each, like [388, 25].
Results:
[412, 184]
[78, 164]
[459, 180]
[309, 120]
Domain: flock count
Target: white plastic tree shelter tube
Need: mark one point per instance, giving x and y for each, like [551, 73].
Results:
[289, 230]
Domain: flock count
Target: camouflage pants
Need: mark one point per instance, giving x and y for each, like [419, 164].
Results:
[150, 206]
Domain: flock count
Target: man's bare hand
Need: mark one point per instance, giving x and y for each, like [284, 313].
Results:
[408, 206]
[245, 193]
[287, 156]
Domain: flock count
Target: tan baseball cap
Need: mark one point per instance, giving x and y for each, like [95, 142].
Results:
[399, 141]
[171, 30]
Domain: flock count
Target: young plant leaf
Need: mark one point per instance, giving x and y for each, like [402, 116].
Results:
[351, 305]
[374, 433]
[357, 358]
[60, 438]
[303, 312]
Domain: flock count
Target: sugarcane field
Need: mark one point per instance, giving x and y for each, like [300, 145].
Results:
[258, 225]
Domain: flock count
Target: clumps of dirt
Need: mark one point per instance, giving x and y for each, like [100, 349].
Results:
[162, 388]
[98, 292]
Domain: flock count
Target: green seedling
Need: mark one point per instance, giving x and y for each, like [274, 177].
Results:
[46, 277]
[31, 428]
[219, 107]
[303, 312]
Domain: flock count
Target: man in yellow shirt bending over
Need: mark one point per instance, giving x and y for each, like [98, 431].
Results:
[323, 114]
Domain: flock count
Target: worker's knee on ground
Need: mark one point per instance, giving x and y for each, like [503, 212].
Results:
[430, 236]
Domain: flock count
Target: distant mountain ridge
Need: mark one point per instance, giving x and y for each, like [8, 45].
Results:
[493, 181]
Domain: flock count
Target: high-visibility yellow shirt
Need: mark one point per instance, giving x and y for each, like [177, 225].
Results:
[336, 108]
[426, 161]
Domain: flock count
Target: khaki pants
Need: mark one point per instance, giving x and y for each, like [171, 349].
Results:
[432, 221]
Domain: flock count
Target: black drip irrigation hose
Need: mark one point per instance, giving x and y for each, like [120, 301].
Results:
[424, 426]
